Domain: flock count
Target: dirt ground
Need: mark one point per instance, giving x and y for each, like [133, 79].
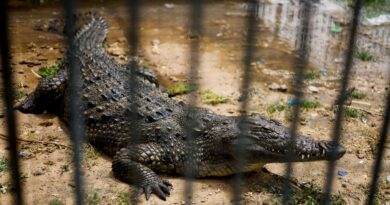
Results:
[46, 166]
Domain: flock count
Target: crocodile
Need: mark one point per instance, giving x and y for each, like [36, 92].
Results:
[146, 132]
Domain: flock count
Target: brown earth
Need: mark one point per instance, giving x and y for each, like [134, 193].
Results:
[47, 167]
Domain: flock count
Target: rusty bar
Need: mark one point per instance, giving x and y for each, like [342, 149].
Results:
[76, 121]
[196, 15]
[341, 99]
[251, 25]
[8, 100]
[300, 65]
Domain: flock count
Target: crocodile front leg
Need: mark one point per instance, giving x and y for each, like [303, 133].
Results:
[127, 168]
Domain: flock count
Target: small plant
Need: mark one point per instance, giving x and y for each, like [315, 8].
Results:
[276, 108]
[94, 198]
[312, 75]
[90, 152]
[19, 94]
[351, 112]
[357, 95]
[4, 165]
[64, 168]
[50, 71]
[308, 194]
[124, 198]
[180, 89]
[55, 201]
[210, 97]
[365, 55]
[308, 104]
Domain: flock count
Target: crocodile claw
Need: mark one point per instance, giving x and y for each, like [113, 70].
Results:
[161, 188]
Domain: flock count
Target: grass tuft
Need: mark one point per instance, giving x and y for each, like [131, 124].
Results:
[364, 55]
[124, 198]
[50, 71]
[19, 94]
[180, 89]
[4, 165]
[55, 202]
[351, 112]
[312, 75]
[308, 104]
[209, 97]
[94, 198]
[308, 194]
[357, 95]
[276, 108]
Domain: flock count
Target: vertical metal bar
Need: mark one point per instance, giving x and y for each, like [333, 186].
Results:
[133, 7]
[300, 65]
[341, 98]
[196, 15]
[76, 121]
[380, 152]
[251, 26]
[8, 100]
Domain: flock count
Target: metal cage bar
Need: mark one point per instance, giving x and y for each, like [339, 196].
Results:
[380, 152]
[76, 121]
[196, 14]
[341, 99]
[251, 26]
[8, 100]
[300, 65]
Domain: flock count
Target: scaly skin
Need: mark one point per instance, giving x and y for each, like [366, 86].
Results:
[144, 131]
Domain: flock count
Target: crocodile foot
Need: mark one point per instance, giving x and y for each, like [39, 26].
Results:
[160, 187]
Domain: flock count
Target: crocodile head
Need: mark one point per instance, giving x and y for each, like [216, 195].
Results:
[269, 141]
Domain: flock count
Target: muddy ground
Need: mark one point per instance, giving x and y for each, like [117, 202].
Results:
[45, 155]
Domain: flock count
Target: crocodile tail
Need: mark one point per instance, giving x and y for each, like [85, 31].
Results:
[89, 33]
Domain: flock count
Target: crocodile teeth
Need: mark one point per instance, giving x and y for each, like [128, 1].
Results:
[303, 156]
[308, 156]
[323, 152]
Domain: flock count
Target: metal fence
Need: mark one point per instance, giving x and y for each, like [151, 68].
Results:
[196, 14]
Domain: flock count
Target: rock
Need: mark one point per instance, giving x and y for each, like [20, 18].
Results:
[115, 50]
[277, 87]
[388, 178]
[313, 89]
[219, 34]
[360, 104]
[360, 154]
[169, 5]
[155, 42]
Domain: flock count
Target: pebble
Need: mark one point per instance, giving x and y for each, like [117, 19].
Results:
[169, 5]
[388, 178]
[313, 89]
[277, 87]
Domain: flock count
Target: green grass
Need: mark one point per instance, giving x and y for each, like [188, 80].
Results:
[19, 94]
[124, 198]
[55, 202]
[209, 97]
[365, 55]
[94, 198]
[308, 104]
[351, 112]
[180, 89]
[50, 71]
[308, 194]
[276, 108]
[357, 95]
[4, 165]
[312, 75]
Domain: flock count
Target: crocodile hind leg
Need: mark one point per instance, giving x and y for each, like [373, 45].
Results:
[127, 167]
